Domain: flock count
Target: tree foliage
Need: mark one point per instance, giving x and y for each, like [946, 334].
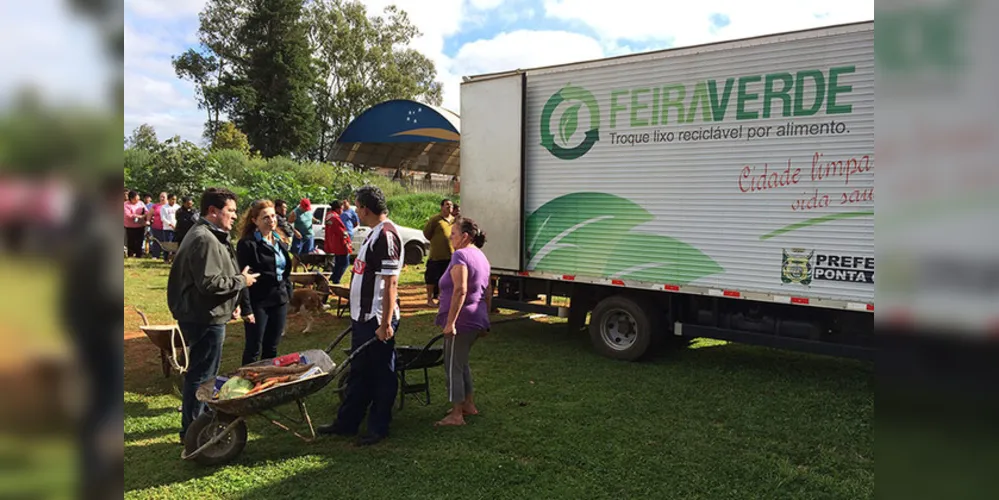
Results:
[181, 167]
[292, 74]
[364, 60]
[275, 108]
[230, 137]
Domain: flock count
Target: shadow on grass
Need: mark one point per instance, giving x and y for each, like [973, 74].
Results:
[159, 464]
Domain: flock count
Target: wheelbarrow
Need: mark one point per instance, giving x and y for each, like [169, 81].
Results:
[219, 435]
[170, 340]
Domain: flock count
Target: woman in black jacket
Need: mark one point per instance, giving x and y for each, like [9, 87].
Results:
[265, 304]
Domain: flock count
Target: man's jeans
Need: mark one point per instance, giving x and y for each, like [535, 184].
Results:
[204, 344]
[303, 246]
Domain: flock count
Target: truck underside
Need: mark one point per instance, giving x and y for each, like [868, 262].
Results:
[625, 323]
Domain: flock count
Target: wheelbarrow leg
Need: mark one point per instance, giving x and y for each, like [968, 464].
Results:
[305, 416]
[165, 364]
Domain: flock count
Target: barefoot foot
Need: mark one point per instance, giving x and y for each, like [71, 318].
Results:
[450, 420]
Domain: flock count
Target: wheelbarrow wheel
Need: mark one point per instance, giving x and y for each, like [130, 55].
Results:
[205, 428]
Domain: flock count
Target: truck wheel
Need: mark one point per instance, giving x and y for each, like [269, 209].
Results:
[621, 328]
[415, 253]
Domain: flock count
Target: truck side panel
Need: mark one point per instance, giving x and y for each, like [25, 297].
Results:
[747, 169]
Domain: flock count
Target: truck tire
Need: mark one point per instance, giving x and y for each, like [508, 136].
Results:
[415, 253]
[622, 328]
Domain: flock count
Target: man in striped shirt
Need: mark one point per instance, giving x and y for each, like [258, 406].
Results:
[374, 312]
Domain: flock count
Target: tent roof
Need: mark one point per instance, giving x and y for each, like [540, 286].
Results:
[402, 134]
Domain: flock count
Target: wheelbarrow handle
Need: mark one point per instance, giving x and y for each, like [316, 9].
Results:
[423, 351]
[338, 339]
[353, 354]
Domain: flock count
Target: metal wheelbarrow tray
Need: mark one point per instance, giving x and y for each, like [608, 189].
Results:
[219, 435]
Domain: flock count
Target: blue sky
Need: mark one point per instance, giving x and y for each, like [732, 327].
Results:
[467, 37]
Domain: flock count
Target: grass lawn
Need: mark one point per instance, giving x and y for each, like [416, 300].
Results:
[712, 421]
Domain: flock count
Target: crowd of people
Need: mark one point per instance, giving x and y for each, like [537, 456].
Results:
[213, 282]
[148, 224]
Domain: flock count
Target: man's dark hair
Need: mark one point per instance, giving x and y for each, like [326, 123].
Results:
[336, 205]
[445, 200]
[215, 197]
[187, 199]
[280, 203]
[372, 198]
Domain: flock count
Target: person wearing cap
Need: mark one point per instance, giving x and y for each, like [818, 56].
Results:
[302, 220]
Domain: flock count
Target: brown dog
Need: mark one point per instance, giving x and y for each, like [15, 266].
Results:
[310, 299]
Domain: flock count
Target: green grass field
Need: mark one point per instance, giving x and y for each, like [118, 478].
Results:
[712, 421]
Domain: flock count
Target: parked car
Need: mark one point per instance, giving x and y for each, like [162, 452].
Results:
[415, 245]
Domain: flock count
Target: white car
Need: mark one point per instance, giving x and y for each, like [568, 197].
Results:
[415, 245]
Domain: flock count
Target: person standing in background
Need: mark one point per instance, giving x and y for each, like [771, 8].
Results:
[302, 220]
[337, 241]
[349, 218]
[438, 231]
[283, 226]
[156, 226]
[135, 224]
[148, 234]
[186, 217]
[168, 213]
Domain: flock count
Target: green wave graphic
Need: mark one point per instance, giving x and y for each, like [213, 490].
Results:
[814, 221]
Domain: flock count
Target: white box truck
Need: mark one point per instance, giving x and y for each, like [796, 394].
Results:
[722, 191]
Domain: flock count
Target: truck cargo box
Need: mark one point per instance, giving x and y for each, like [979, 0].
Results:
[741, 169]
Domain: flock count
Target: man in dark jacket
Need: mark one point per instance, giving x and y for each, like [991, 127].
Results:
[281, 209]
[203, 293]
[186, 217]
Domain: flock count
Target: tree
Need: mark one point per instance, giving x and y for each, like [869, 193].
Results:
[274, 104]
[144, 138]
[363, 61]
[230, 137]
[211, 65]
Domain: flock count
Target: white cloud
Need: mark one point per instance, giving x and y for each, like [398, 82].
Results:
[485, 4]
[687, 23]
[525, 49]
[165, 9]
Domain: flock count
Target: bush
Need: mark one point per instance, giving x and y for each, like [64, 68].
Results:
[183, 168]
[413, 210]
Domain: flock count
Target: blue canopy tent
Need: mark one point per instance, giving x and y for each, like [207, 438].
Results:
[402, 134]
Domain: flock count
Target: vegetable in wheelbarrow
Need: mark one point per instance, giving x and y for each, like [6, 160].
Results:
[235, 387]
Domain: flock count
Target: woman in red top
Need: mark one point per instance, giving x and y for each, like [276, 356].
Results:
[336, 241]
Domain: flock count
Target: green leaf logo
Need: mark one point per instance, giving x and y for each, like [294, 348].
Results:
[591, 234]
[568, 123]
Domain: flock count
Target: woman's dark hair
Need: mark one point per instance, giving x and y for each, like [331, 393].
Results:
[372, 198]
[132, 194]
[215, 197]
[469, 227]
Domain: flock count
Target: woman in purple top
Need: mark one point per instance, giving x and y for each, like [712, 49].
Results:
[465, 302]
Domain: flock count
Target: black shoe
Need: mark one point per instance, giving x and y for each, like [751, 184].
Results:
[370, 439]
[333, 430]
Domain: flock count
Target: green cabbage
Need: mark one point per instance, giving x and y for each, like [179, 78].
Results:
[235, 387]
